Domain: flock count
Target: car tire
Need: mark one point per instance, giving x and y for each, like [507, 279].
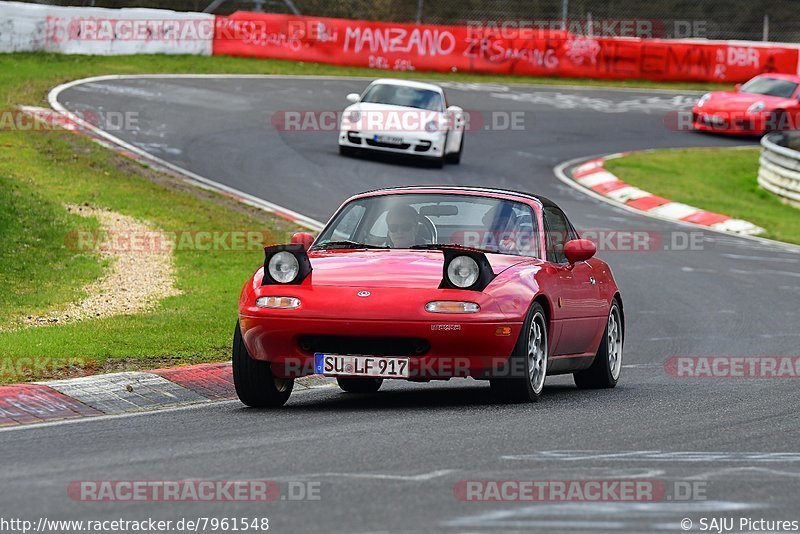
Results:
[346, 151]
[604, 371]
[528, 363]
[456, 157]
[359, 385]
[255, 384]
[438, 163]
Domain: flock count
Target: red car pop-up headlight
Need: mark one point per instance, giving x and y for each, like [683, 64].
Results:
[465, 269]
[285, 264]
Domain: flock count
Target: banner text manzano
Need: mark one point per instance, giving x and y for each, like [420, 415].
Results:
[394, 46]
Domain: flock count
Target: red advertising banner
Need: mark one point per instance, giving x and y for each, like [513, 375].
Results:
[535, 52]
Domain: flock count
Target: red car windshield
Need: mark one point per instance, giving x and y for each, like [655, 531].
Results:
[770, 87]
[419, 220]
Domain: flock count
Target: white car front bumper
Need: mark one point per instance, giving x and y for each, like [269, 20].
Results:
[425, 144]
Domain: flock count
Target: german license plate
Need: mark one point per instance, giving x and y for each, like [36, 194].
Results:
[389, 140]
[347, 365]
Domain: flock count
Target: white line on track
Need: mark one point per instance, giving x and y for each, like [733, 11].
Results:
[698, 270]
[422, 477]
[766, 272]
[529, 517]
[737, 470]
[761, 258]
[659, 456]
[154, 410]
[443, 82]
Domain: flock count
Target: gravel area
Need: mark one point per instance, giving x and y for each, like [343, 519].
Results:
[138, 277]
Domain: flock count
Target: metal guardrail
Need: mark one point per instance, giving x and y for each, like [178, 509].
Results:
[779, 171]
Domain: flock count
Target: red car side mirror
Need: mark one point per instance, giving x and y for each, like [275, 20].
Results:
[579, 250]
[737, 87]
[303, 238]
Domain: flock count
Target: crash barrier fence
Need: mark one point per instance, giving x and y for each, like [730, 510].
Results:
[387, 46]
[100, 31]
[779, 169]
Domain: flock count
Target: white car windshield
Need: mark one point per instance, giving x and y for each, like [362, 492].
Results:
[769, 86]
[428, 220]
[401, 95]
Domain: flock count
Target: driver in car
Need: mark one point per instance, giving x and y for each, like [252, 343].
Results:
[501, 226]
[404, 227]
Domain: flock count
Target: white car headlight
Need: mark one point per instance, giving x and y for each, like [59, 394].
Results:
[283, 267]
[703, 99]
[354, 116]
[755, 108]
[432, 126]
[463, 271]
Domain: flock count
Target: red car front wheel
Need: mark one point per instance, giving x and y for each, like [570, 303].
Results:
[528, 364]
[256, 385]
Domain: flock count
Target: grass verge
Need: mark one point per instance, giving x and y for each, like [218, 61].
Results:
[722, 180]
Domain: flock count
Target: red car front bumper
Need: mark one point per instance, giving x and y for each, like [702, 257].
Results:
[729, 123]
[440, 348]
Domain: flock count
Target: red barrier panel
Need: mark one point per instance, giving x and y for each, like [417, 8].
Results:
[391, 46]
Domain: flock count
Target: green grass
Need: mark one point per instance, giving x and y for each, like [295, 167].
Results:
[39, 271]
[35, 257]
[722, 180]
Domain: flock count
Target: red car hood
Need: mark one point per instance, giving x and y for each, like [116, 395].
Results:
[725, 101]
[389, 268]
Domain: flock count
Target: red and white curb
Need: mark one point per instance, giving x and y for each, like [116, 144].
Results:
[595, 177]
[120, 393]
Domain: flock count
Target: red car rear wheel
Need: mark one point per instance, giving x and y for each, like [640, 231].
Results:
[607, 364]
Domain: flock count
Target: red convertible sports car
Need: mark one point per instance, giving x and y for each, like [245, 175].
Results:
[422, 283]
[766, 103]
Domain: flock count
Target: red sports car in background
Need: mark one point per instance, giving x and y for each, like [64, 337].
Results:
[766, 103]
[423, 283]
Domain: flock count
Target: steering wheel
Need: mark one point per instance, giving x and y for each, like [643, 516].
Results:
[429, 230]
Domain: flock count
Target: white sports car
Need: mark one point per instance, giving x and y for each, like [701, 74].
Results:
[403, 117]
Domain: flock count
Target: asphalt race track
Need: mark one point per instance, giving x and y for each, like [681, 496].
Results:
[389, 462]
